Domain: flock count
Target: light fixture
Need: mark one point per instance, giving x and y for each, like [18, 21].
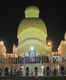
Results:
[42, 68]
[31, 48]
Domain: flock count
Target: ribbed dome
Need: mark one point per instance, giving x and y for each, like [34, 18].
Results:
[32, 31]
[35, 23]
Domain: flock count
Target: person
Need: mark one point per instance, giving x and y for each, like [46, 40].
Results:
[55, 72]
[6, 71]
[11, 72]
[36, 71]
[47, 70]
[0, 71]
[62, 69]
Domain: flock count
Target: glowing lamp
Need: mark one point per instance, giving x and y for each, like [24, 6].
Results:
[49, 43]
[42, 68]
[31, 48]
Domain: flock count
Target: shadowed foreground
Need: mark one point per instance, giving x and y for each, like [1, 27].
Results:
[34, 78]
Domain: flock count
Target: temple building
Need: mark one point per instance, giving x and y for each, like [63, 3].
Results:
[33, 53]
[32, 31]
[32, 34]
[62, 49]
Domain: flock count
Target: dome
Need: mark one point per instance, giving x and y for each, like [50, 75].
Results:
[32, 31]
[31, 23]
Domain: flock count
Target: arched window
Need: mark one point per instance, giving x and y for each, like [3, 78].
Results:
[27, 71]
[36, 71]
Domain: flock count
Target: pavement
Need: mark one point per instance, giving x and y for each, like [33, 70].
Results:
[34, 78]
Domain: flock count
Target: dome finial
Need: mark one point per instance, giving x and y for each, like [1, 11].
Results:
[32, 12]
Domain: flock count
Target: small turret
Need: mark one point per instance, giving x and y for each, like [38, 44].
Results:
[65, 36]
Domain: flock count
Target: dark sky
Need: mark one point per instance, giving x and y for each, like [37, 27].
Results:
[52, 12]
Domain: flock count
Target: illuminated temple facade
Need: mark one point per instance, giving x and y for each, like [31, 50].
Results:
[32, 44]
[32, 32]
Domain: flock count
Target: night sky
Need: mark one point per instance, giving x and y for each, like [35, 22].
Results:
[52, 12]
